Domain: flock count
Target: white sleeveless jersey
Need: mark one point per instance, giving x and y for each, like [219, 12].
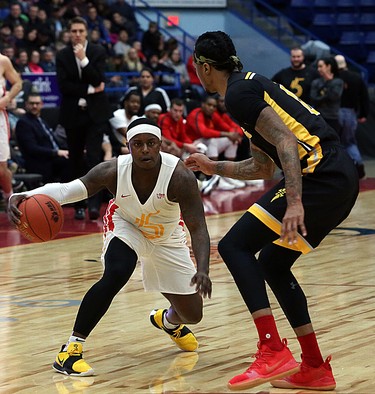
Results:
[158, 219]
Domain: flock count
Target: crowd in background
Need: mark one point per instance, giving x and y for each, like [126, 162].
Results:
[339, 94]
[33, 32]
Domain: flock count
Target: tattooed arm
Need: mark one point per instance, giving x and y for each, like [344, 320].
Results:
[270, 127]
[259, 166]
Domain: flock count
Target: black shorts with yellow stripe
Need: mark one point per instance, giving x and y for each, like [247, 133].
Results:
[328, 195]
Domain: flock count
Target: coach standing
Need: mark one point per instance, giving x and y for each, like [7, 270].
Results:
[85, 110]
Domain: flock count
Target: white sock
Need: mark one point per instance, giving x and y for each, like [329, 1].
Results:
[167, 324]
[73, 338]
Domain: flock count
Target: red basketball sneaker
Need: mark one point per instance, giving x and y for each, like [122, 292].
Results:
[309, 378]
[269, 365]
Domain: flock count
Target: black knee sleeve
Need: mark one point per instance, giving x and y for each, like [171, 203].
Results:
[120, 262]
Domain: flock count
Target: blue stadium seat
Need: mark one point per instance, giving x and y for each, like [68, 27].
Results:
[347, 6]
[369, 40]
[301, 11]
[352, 44]
[367, 21]
[347, 21]
[324, 26]
[324, 6]
[367, 5]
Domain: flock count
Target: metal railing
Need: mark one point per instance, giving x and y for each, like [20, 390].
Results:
[187, 40]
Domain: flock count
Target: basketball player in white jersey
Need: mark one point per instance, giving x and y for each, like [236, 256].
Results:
[154, 194]
[10, 75]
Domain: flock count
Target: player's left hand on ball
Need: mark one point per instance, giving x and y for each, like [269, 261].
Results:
[14, 213]
[202, 284]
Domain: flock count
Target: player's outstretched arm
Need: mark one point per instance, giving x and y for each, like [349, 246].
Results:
[102, 176]
[260, 166]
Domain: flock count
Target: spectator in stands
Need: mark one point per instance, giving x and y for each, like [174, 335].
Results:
[56, 21]
[153, 112]
[326, 91]
[32, 15]
[6, 37]
[39, 148]
[116, 63]
[94, 38]
[46, 34]
[133, 64]
[19, 36]
[122, 45]
[76, 8]
[130, 21]
[9, 52]
[175, 62]
[354, 109]
[298, 77]
[173, 130]
[33, 64]
[138, 46]
[158, 68]
[15, 16]
[23, 62]
[152, 40]
[48, 62]
[95, 22]
[122, 117]
[206, 126]
[149, 93]
[31, 40]
[63, 40]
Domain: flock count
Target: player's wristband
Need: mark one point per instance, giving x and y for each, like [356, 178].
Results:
[63, 193]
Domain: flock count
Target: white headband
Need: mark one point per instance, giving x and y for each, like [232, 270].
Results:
[143, 128]
[151, 107]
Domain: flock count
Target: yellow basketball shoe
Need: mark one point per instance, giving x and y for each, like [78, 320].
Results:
[181, 335]
[71, 362]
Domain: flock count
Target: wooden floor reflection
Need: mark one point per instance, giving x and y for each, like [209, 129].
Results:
[42, 285]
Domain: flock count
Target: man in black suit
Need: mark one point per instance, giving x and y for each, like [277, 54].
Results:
[39, 148]
[85, 109]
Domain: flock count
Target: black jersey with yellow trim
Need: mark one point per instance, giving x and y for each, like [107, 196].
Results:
[249, 93]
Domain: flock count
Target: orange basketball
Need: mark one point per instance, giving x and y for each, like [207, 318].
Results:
[42, 218]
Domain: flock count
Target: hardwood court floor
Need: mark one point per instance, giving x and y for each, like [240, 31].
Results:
[42, 286]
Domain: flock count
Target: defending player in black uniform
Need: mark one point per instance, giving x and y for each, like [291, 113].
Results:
[317, 193]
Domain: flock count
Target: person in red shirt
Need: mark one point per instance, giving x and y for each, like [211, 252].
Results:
[34, 63]
[173, 128]
[206, 126]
